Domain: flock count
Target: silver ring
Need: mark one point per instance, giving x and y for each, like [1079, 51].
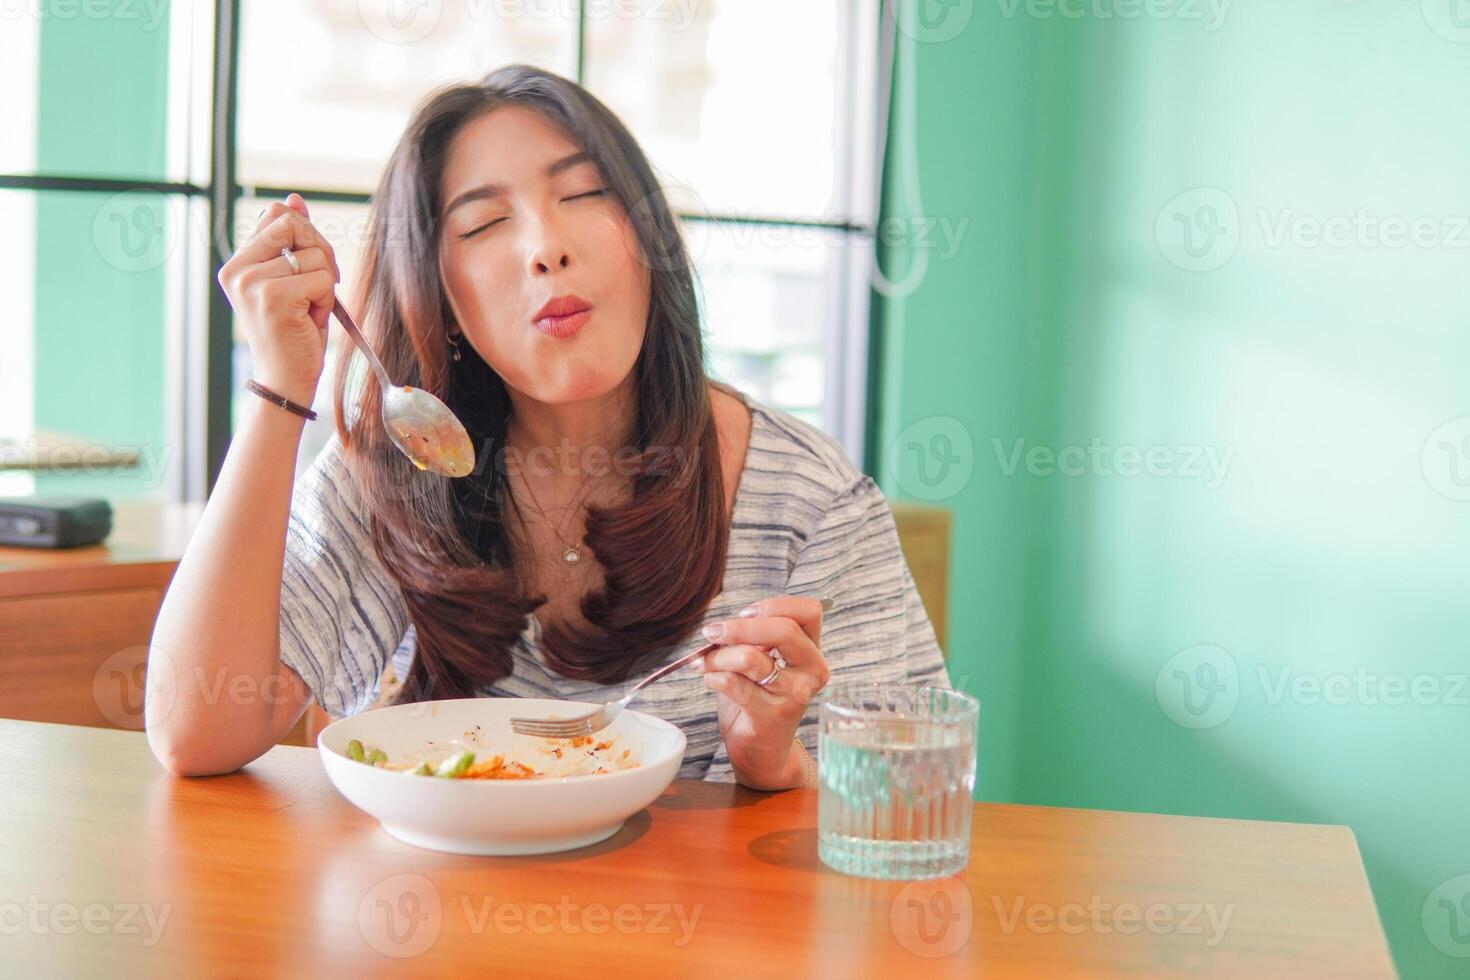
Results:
[778, 663]
[290, 258]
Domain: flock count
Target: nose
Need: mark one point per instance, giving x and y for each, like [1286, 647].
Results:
[548, 250]
[540, 266]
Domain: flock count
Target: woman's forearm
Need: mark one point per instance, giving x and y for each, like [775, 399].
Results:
[217, 694]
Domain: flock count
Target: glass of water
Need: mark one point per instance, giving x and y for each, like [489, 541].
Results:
[896, 767]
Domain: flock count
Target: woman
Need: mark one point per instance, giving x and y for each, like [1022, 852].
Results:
[624, 507]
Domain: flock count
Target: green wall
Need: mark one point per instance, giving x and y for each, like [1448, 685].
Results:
[1092, 608]
[99, 314]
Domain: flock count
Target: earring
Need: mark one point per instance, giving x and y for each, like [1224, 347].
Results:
[454, 342]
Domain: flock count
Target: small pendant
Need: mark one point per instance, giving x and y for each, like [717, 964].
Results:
[571, 556]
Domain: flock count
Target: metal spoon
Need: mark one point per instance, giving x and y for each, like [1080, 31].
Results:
[420, 425]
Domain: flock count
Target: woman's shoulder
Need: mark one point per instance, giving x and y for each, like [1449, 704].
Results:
[805, 459]
[799, 484]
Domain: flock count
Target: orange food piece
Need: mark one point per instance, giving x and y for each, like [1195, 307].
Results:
[496, 768]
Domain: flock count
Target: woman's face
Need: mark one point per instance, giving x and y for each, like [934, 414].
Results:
[523, 222]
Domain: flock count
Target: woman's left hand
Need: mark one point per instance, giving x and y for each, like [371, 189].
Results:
[758, 724]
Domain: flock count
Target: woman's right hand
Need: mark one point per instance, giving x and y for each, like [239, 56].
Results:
[284, 314]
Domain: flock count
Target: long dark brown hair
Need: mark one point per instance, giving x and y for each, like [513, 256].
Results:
[447, 542]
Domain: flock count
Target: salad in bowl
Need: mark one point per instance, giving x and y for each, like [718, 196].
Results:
[452, 776]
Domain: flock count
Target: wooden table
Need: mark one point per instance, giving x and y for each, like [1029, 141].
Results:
[110, 866]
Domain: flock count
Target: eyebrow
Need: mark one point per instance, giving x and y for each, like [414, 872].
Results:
[497, 190]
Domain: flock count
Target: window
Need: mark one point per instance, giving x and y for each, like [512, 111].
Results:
[755, 113]
[104, 241]
[770, 168]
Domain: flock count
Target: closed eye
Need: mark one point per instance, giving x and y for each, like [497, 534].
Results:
[599, 192]
[475, 231]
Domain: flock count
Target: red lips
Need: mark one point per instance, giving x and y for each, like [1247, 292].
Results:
[561, 306]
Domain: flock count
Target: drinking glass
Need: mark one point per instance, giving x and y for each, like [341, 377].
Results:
[896, 779]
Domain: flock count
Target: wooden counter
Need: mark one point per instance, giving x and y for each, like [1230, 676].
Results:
[75, 622]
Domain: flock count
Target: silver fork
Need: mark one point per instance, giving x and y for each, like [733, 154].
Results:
[599, 718]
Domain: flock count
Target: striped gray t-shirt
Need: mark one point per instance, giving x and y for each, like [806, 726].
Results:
[806, 522]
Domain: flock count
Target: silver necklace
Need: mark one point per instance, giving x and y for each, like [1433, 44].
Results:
[571, 555]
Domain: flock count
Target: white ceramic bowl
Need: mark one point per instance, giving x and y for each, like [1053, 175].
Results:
[497, 816]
